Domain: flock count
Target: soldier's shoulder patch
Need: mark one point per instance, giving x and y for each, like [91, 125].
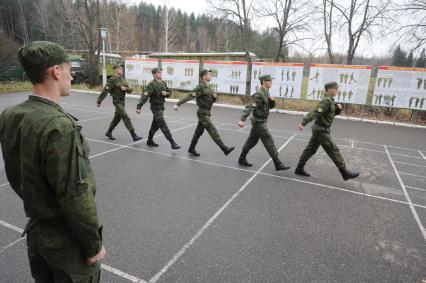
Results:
[194, 94]
[254, 104]
[107, 87]
[320, 110]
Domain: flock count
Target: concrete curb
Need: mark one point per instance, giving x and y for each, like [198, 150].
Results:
[298, 113]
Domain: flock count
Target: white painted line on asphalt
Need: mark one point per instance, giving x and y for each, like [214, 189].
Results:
[212, 219]
[352, 144]
[261, 173]
[3, 185]
[90, 119]
[133, 143]
[411, 164]
[11, 226]
[122, 274]
[13, 243]
[413, 175]
[415, 188]
[407, 196]
[421, 153]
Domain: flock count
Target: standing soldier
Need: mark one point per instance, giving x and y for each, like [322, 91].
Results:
[205, 97]
[323, 114]
[260, 105]
[157, 91]
[117, 86]
[47, 165]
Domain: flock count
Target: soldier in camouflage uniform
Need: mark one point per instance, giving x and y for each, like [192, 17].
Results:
[205, 97]
[323, 114]
[157, 91]
[47, 165]
[260, 104]
[117, 86]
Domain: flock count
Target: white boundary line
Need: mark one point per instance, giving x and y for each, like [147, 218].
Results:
[13, 243]
[212, 219]
[414, 175]
[103, 266]
[411, 164]
[407, 196]
[421, 153]
[415, 188]
[261, 173]
[4, 185]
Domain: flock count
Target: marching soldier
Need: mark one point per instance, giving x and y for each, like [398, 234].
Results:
[47, 165]
[117, 86]
[205, 97]
[157, 91]
[323, 114]
[260, 105]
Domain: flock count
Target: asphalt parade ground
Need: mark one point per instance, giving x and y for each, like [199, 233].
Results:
[171, 217]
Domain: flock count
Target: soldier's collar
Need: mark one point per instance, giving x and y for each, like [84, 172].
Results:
[45, 100]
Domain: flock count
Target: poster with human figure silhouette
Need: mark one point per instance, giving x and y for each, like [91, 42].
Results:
[180, 74]
[400, 87]
[138, 70]
[353, 82]
[228, 76]
[287, 78]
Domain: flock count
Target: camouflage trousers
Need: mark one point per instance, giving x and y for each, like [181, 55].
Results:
[158, 122]
[321, 137]
[55, 255]
[260, 131]
[121, 114]
[204, 122]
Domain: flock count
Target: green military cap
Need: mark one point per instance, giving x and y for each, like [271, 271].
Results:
[116, 66]
[204, 72]
[265, 78]
[331, 85]
[156, 70]
[37, 56]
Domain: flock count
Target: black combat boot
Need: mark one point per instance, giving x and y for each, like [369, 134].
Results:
[300, 170]
[151, 142]
[135, 137]
[174, 144]
[280, 166]
[227, 150]
[109, 134]
[193, 151]
[346, 174]
[243, 160]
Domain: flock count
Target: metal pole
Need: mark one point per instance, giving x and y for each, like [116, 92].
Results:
[104, 76]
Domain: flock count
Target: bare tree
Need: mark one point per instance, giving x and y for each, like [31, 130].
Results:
[413, 13]
[361, 18]
[170, 31]
[328, 27]
[239, 11]
[42, 10]
[291, 18]
[23, 22]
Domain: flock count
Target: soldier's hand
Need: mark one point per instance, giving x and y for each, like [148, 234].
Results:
[301, 127]
[339, 106]
[98, 105]
[96, 258]
[164, 93]
[271, 98]
[215, 95]
[123, 88]
[241, 124]
[176, 108]
[138, 111]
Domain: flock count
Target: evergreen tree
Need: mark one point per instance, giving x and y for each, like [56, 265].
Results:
[399, 57]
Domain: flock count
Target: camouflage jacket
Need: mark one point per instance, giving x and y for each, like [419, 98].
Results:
[259, 105]
[113, 87]
[47, 164]
[323, 113]
[153, 92]
[203, 94]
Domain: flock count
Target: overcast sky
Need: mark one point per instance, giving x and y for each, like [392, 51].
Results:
[380, 47]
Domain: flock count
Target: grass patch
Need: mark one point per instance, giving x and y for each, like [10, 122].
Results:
[15, 86]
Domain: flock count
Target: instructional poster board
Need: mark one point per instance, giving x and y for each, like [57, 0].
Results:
[401, 87]
[353, 82]
[138, 71]
[228, 76]
[287, 78]
[180, 74]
